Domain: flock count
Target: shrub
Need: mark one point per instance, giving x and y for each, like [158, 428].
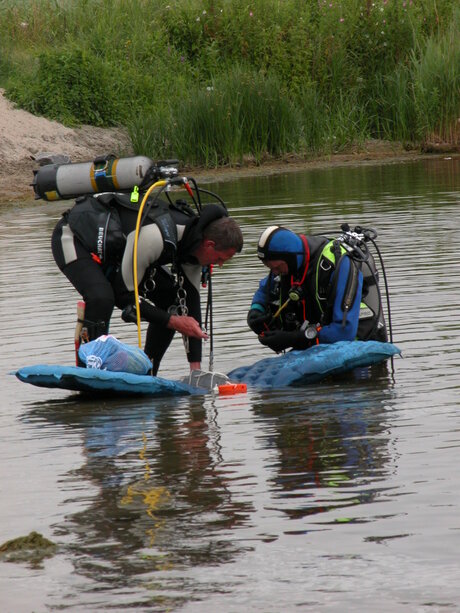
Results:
[303, 76]
[241, 114]
[436, 77]
[72, 87]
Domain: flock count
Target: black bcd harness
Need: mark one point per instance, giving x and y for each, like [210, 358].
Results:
[96, 222]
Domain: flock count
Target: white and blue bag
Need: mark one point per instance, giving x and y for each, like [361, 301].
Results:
[108, 353]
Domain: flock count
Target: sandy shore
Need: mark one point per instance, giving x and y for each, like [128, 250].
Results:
[25, 136]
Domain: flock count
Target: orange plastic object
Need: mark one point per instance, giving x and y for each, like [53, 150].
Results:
[228, 389]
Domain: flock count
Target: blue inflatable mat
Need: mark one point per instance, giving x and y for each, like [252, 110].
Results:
[94, 380]
[293, 368]
[314, 364]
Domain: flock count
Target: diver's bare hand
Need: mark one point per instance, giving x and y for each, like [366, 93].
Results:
[188, 326]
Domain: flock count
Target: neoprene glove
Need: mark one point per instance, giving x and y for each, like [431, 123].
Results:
[129, 314]
[257, 320]
[278, 340]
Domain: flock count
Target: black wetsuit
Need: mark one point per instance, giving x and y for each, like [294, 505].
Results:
[104, 286]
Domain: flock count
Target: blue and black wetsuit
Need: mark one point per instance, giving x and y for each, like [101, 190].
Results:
[326, 285]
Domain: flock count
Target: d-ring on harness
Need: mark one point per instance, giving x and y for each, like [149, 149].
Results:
[181, 307]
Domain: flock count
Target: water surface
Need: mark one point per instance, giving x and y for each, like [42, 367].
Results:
[340, 496]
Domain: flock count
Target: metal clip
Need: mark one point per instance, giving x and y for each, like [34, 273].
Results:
[182, 297]
[182, 307]
[149, 283]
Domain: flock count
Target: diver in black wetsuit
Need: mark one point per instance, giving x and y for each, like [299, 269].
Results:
[169, 280]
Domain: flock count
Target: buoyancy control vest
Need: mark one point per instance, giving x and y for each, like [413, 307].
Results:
[103, 222]
[320, 285]
[371, 324]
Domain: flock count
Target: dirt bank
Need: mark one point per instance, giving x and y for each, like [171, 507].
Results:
[24, 136]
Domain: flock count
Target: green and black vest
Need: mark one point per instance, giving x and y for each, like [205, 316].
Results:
[319, 292]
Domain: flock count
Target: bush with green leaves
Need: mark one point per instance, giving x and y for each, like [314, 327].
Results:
[71, 87]
[213, 81]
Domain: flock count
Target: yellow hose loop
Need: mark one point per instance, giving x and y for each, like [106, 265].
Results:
[136, 240]
[282, 307]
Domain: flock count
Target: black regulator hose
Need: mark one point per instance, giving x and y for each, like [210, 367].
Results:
[390, 327]
[198, 204]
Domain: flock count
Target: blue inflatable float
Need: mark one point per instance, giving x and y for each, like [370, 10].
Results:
[95, 380]
[314, 364]
[295, 368]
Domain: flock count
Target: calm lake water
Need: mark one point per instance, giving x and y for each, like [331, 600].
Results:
[338, 497]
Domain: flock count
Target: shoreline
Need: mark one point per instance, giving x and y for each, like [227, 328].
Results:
[367, 158]
[26, 136]
[16, 178]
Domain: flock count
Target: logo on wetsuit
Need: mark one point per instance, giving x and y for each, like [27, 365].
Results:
[100, 242]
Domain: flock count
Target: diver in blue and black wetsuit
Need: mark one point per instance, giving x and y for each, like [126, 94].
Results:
[318, 291]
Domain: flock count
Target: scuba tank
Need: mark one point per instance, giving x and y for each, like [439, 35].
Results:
[371, 318]
[106, 173]
[372, 322]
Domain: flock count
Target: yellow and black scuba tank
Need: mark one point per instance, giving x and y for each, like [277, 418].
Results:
[106, 173]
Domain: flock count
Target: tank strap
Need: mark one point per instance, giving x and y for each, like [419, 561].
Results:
[327, 263]
[350, 290]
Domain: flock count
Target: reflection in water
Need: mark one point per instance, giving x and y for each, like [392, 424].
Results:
[331, 446]
[168, 490]
[163, 501]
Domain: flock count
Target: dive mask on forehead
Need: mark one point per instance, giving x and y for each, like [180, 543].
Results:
[278, 243]
[264, 240]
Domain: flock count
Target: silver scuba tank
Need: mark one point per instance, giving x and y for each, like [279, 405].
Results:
[105, 174]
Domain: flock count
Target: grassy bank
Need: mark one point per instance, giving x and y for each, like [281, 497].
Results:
[213, 82]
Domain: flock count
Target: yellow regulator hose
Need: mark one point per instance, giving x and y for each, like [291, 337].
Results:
[136, 240]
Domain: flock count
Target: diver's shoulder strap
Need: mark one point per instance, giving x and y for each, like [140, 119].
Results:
[351, 287]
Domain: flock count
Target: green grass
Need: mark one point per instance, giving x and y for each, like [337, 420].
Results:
[216, 81]
[240, 114]
[436, 79]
